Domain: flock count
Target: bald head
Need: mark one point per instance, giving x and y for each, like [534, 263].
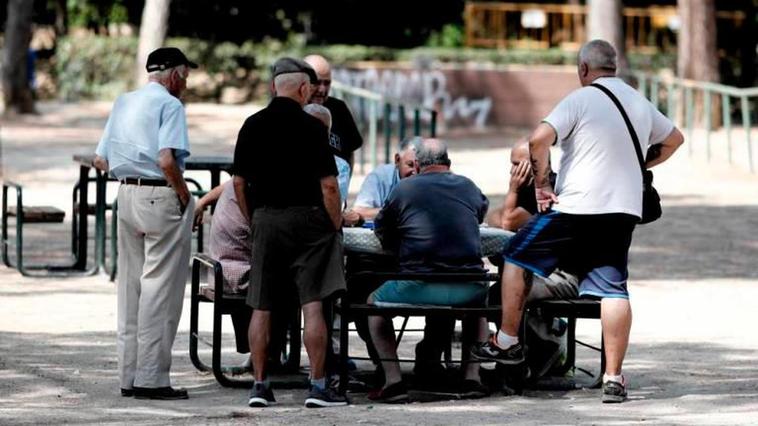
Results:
[597, 58]
[520, 152]
[324, 74]
[432, 152]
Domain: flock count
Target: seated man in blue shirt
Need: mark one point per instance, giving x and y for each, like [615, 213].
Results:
[432, 221]
[382, 180]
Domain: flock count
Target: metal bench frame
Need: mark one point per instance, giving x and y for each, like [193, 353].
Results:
[36, 270]
[570, 309]
[224, 304]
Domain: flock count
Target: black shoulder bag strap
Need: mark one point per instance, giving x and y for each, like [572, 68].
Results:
[636, 141]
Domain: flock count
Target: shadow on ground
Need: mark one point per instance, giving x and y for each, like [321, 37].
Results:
[72, 378]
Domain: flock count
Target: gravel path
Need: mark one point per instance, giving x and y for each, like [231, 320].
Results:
[692, 358]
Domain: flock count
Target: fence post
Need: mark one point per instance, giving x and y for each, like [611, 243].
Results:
[707, 102]
[416, 122]
[654, 91]
[401, 120]
[727, 118]
[642, 84]
[373, 118]
[746, 125]
[433, 124]
[387, 132]
[671, 101]
[689, 116]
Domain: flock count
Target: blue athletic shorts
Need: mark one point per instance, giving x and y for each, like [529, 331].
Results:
[400, 292]
[595, 248]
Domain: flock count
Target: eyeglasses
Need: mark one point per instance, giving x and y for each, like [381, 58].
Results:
[323, 82]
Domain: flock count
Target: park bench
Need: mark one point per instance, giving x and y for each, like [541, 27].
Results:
[25, 215]
[570, 309]
[225, 304]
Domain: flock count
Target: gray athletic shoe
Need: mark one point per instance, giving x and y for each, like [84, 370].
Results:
[318, 398]
[613, 392]
[489, 351]
[260, 396]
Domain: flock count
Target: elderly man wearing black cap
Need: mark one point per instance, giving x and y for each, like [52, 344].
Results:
[295, 222]
[144, 146]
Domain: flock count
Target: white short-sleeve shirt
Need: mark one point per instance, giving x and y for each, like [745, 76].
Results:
[599, 171]
[141, 124]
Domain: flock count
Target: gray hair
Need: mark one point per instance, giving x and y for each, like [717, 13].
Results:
[432, 152]
[289, 82]
[598, 55]
[412, 142]
[162, 75]
[321, 112]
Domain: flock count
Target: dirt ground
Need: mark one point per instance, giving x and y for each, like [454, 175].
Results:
[693, 357]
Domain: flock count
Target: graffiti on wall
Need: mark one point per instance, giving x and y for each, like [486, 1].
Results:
[426, 87]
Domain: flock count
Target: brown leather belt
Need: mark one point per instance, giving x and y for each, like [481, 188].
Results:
[144, 182]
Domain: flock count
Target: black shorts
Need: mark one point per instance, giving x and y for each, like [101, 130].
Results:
[595, 248]
[294, 245]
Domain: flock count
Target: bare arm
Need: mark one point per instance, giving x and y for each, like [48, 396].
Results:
[367, 213]
[239, 191]
[513, 217]
[539, 156]
[100, 163]
[667, 148]
[167, 163]
[331, 192]
[208, 199]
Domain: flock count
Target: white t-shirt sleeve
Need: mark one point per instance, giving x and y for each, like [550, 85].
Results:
[660, 126]
[564, 117]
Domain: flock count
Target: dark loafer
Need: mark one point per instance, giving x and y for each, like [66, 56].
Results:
[165, 393]
[127, 392]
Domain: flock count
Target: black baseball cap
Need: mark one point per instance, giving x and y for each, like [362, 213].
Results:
[292, 65]
[167, 57]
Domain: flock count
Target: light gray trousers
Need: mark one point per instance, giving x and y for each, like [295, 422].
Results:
[154, 248]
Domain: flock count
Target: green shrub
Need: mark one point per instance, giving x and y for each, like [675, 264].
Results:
[94, 67]
[451, 35]
[97, 67]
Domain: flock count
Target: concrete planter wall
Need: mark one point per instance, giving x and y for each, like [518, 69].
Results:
[473, 96]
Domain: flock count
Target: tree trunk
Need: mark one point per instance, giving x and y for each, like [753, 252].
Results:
[605, 21]
[61, 18]
[18, 29]
[152, 34]
[698, 55]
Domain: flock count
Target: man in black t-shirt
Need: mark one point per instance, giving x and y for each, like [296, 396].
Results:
[345, 137]
[295, 222]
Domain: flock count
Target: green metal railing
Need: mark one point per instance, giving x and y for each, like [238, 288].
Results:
[375, 113]
[670, 94]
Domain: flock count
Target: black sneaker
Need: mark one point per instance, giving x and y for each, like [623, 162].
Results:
[318, 398]
[165, 393]
[489, 351]
[471, 389]
[260, 396]
[613, 392]
[395, 393]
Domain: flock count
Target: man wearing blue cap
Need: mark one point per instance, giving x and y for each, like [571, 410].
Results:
[144, 146]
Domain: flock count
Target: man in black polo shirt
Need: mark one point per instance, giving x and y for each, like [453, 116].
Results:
[295, 222]
[345, 137]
